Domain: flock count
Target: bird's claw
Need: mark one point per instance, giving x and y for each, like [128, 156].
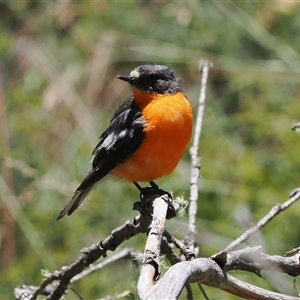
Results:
[147, 196]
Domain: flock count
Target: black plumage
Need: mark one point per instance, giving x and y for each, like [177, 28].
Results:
[118, 142]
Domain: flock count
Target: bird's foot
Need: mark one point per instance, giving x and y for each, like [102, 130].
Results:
[147, 196]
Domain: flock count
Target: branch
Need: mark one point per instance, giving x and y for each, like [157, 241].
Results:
[207, 271]
[252, 260]
[274, 211]
[151, 266]
[89, 255]
[195, 163]
[125, 253]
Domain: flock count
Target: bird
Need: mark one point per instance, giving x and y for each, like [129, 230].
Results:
[146, 136]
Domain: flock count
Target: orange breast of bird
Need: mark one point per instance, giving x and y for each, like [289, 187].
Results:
[168, 130]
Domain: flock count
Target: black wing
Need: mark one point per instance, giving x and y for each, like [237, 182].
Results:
[118, 142]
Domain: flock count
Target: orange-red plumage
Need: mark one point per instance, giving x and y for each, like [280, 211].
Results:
[168, 129]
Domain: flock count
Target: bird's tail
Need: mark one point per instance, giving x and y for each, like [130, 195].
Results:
[78, 198]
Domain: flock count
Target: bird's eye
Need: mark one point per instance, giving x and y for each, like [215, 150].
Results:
[153, 78]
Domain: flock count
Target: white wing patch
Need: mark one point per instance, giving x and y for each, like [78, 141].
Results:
[109, 142]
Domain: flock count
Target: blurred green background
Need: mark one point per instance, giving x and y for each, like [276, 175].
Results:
[59, 63]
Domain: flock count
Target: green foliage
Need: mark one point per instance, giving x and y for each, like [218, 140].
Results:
[59, 62]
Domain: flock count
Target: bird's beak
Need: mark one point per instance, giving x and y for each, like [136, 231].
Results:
[126, 78]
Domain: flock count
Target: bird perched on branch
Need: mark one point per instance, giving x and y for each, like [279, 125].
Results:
[147, 135]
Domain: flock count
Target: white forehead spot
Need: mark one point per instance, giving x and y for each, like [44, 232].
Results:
[135, 74]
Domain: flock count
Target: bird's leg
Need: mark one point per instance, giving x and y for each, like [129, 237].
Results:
[147, 196]
[154, 185]
[156, 189]
[138, 186]
[150, 190]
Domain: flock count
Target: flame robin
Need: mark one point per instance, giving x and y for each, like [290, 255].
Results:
[147, 135]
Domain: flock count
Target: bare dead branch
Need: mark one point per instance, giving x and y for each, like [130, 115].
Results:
[274, 211]
[250, 259]
[208, 272]
[195, 163]
[25, 292]
[127, 253]
[167, 250]
[184, 249]
[293, 251]
[89, 255]
[151, 265]
[247, 291]
[189, 292]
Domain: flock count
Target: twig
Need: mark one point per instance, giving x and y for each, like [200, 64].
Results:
[293, 251]
[125, 253]
[180, 245]
[25, 292]
[189, 292]
[202, 291]
[167, 250]
[195, 163]
[274, 211]
[250, 259]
